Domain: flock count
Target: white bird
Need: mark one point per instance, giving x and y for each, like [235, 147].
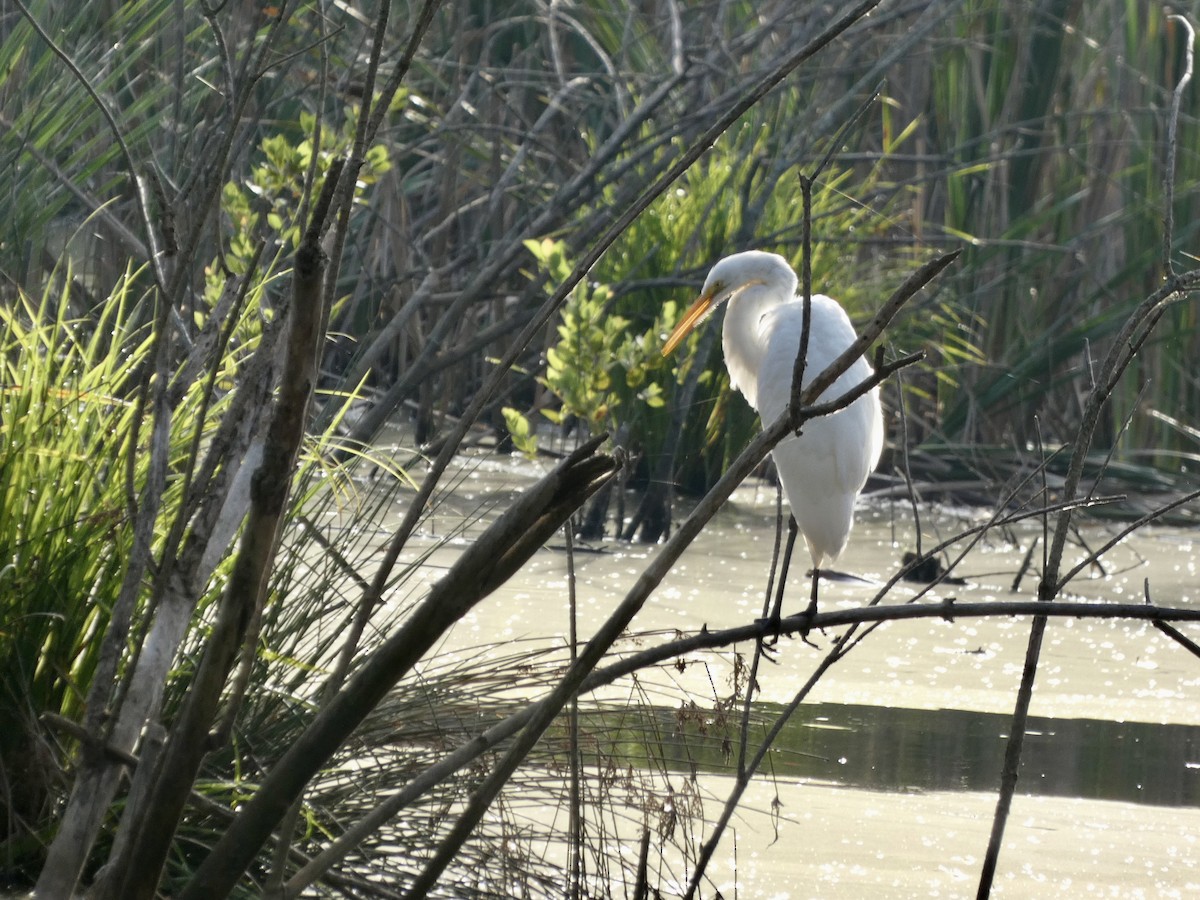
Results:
[824, 467]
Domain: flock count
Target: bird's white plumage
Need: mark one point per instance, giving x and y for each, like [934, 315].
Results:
[824, 467]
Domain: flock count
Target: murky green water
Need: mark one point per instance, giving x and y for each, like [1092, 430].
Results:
[882, 748]
[1116, 705]
[888, 775]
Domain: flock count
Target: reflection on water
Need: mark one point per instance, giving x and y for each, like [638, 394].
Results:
[1091, 675]
[949, 749]
[878, 791]
[887, 749]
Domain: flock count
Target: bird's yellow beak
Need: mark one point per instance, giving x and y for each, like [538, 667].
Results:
[698, 311]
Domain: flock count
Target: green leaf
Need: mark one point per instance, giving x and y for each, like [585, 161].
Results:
[523, 437]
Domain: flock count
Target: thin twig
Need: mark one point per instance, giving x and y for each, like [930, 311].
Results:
[416, 507]
[499, 552]
[910, 488]
[801, 360]
[752, 679]
[1173, 144]
[671, 551]
[573, 749]
[1129, 529]
[1135, 331]
[131, 165]
[744, 778]
[806, 185]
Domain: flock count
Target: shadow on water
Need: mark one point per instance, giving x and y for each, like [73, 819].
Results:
[886, 749]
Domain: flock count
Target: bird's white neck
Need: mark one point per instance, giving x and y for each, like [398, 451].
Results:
[743, 338]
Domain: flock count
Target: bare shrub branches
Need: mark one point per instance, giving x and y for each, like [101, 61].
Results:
[1124, 351]
[440, 243]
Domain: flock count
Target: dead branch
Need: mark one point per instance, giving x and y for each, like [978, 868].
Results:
[136, 873]
[498, 553]
[1124, 350]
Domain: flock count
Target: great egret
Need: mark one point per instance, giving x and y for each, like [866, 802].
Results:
[826, 465]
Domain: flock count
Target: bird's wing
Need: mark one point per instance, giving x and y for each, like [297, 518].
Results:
[840, 449]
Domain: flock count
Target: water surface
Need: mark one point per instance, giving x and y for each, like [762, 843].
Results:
[887, 775]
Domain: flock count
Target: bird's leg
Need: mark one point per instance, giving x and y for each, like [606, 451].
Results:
[812, 600]
[810, 613]
[777, 606]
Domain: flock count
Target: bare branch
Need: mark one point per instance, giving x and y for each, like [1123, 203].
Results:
[502, 549]
[416, 508]
[1185, 79]
[131, 166]
[137, 872]
[946, 610]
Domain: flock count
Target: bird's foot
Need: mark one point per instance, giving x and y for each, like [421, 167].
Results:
[772, 628]
[806, 618]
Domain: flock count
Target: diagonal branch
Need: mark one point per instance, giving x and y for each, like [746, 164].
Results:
[499, 552]
[416, 508]
[1124, 350]
[619, 620]
[136, 874]
[131, 166]
[706, 640]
